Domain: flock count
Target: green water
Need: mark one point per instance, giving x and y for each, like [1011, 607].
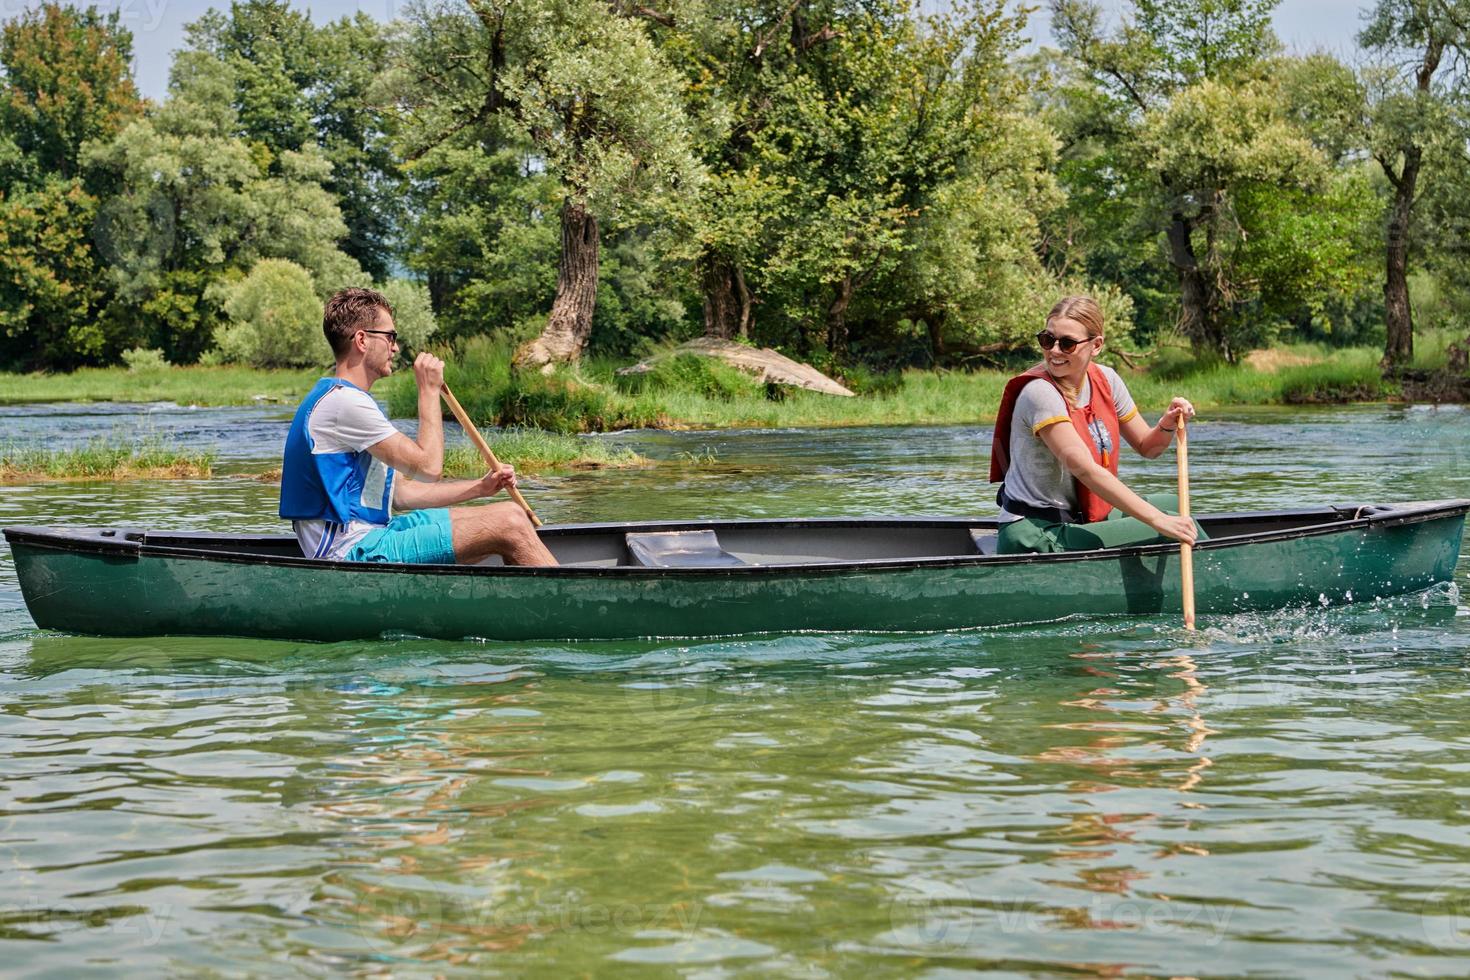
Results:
[1281, 795]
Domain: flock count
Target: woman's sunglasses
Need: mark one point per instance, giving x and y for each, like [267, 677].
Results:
[1067, 345]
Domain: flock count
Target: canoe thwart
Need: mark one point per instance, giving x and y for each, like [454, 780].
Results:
[678, 549]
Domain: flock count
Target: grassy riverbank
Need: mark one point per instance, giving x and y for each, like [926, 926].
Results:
[104, 461]
[697, 393]
[535, 451]
[183, 385]
[530, 451]
[694, 393]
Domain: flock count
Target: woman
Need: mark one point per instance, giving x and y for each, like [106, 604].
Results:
[1059, 482]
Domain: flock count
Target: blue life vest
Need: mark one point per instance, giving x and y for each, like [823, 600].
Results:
[328, 486]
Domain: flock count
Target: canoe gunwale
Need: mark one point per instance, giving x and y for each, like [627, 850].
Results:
[133, 544]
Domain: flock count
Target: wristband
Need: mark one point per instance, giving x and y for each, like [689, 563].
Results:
[1175, 429]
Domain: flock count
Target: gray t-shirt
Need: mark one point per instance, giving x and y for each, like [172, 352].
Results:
[1037, 477]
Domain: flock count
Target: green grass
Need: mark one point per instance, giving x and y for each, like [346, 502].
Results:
[535, 451]
[183, 385]
[681, 394]
[104, 460]
[687, 392]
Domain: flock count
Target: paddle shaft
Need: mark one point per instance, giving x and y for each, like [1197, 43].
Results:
[1186, 552]
[485, 450]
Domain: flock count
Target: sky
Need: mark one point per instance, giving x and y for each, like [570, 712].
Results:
[158, 25]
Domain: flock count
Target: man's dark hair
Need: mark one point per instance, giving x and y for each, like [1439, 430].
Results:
[349, 311]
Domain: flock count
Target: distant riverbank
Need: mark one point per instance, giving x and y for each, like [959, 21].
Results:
[591, 397]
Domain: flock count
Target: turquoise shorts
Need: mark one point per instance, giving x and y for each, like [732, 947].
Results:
[420, 537]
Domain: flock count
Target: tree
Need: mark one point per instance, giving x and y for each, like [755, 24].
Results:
[196, 208]
[584, 86]
[67, 80]
[737, 56]
[50, 296]
[1195, 120]
[274, 318]
[843, 141]
[295, 86]
[1412, 127]
[484, 235]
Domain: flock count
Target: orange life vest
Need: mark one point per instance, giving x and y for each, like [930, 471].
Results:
[1099, 410]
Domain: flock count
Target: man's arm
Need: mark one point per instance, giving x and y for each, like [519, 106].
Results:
[421, 458]
[412, 495]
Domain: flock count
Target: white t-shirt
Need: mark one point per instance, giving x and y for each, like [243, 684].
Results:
[346, 420]
[1036, 476]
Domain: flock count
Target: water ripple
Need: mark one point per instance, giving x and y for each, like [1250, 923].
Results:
[1278, 794]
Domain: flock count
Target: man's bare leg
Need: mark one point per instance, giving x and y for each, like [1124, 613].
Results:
[496, 529]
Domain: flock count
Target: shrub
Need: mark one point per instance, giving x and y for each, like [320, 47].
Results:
[1357, 380]
[143, 359]
[694, 374]
[1174, 363]
[413, 317]
[861, 380]
[481, 377]
[275, 318]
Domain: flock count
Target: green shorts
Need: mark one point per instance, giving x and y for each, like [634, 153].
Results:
[420, 537]
[1032, 535]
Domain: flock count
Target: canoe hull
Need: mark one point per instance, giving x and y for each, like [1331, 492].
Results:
[172, 592]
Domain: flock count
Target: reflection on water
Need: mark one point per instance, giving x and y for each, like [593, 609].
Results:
[1277, 795]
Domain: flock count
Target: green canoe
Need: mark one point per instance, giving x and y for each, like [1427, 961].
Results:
[723, 577]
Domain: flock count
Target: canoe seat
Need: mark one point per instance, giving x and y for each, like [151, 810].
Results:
[678, 549]
[985, 540]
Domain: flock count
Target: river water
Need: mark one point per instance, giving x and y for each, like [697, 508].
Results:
[1279, 795]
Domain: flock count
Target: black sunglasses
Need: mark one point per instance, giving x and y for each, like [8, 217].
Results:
[1067, 345]
[392, 335]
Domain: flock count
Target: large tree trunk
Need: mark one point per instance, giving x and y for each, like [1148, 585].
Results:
[1398, 350]
[934, 321]
[1198, 307]
[569, 325]
[727, 301]
[837, 317]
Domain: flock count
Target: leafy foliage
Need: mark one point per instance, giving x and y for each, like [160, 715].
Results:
[49, 291]
[66, 81]
[275, 318]
[195, 208]
[705, 376]
[413, 315]
[861, 183]
[294, 86]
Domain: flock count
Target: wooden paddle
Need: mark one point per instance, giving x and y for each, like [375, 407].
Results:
[485, 451]
[1186, 552]
[470, 430]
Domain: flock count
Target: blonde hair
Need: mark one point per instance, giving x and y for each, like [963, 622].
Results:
[1081, 310]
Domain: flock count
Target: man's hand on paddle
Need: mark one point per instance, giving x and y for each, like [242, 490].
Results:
[497, 480]
[428, 373]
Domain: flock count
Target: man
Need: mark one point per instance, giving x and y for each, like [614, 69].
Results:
[346, 466]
